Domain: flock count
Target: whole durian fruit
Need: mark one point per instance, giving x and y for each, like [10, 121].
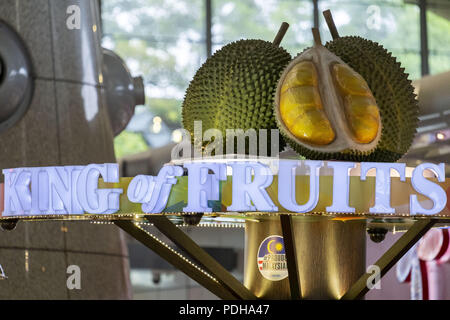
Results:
[390, 86]
[234, 88]
[325, 109]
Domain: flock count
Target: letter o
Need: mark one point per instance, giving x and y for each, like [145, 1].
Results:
[138, 188]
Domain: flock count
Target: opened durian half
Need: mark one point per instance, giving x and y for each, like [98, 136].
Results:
[324, 108]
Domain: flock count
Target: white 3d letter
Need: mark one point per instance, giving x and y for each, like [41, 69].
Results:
[17, 195]
[382, 183]
[203, 186]
[92, 199]
[428, 188]
[246, 191]
[341, 186]
[286, 185]
[153, 192]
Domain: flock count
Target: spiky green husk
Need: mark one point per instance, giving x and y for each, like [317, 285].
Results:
[234, 88]
[394, 95]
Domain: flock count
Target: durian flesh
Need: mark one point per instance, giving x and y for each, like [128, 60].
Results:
[323, 105]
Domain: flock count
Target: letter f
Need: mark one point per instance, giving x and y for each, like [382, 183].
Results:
[159, 189]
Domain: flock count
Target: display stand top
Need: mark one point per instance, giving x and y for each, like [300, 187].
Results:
[229, 191]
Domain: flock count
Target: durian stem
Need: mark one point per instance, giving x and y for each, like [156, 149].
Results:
[281, 32]
[330, 24]
[316, 36]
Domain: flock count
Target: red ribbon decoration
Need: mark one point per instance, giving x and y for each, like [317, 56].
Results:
[425, 260]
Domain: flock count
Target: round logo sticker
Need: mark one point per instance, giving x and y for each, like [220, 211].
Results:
[272, 259]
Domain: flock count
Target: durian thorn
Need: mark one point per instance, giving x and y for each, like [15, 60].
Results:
[281, 32]
[330, 23]
[316, 36]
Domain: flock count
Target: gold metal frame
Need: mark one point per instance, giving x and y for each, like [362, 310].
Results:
[211, 275]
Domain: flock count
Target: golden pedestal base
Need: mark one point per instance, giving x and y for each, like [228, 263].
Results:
[331, 256]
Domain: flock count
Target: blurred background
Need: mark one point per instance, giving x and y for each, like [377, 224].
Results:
[166, 41]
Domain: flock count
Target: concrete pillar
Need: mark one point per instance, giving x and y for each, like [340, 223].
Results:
[66, 123]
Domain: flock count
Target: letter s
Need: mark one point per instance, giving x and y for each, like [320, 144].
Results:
[428, 189]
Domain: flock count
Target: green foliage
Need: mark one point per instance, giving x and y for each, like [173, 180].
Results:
[438, 43]
[168, 109]
[127, 143]
[261, 20]
[150, 33]
[393, 24]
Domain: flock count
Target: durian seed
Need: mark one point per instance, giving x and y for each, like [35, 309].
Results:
[302, 74]
[301, 106]
[361, 110]
[349, 81]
